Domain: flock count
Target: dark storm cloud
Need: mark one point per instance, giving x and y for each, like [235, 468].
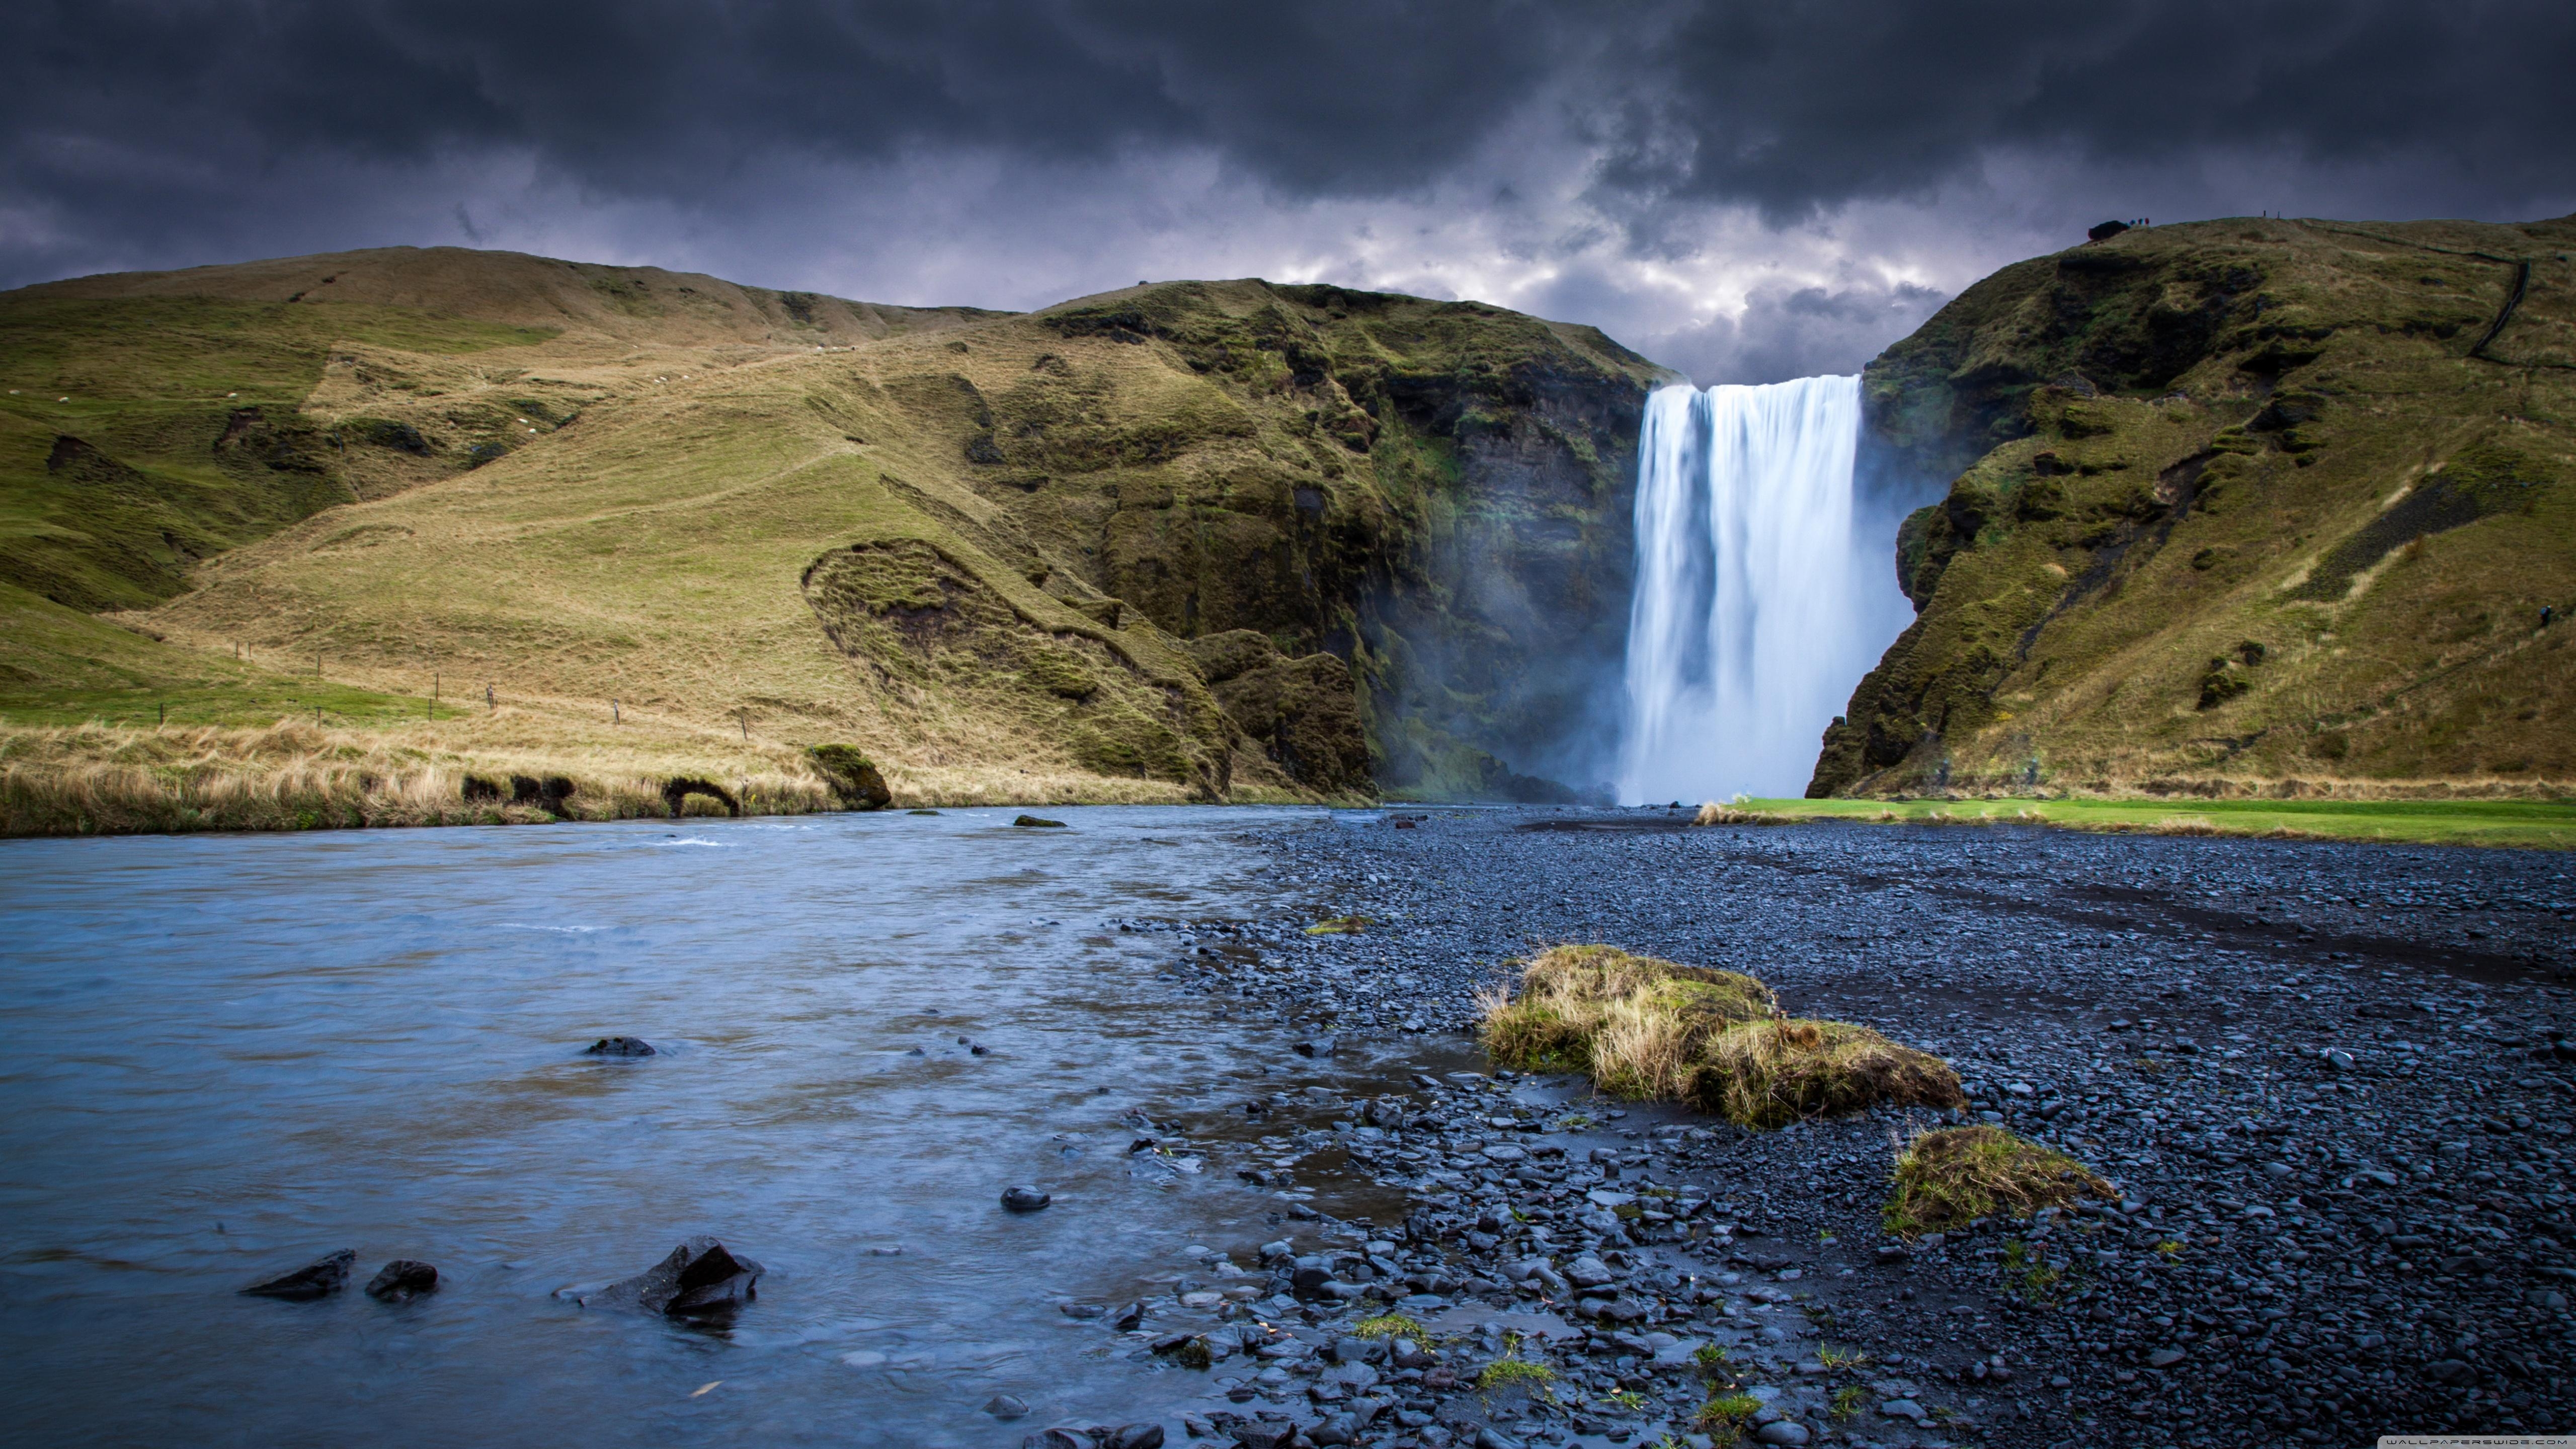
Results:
[664, 98]
[1797, 106]
[1574, 156]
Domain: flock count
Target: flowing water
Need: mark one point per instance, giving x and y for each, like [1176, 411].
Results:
[221, 1058]
[1763, 590]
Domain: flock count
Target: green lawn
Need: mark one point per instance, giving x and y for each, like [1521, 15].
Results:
[2541, 823]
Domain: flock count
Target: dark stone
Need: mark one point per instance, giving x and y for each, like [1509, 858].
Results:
[401, 1280]
[619, 1046]
[1321, 1046]
[700, 1279]
[680, 787]
[1058, 1438]
[1035, 823]
[318, 1279]
[1025, 1199]
[1134, 1436]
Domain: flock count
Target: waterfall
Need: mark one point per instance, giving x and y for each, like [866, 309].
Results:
[1763, 590]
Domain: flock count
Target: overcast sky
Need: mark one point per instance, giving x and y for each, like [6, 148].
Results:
[1744, 191]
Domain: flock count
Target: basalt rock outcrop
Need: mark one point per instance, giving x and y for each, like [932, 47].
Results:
[2230, 507]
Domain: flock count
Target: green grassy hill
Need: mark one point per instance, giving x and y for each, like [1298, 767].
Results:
[2239, 507]
[1196, 540]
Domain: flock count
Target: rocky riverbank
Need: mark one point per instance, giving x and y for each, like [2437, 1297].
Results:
[2330, 1084]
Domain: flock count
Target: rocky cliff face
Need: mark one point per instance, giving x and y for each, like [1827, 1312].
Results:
[2232, 506]
[1427, 503]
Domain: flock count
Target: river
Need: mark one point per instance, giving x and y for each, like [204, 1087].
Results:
[222, 1057]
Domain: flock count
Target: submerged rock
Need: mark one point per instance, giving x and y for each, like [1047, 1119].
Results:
[402, 1280]
[318, 1279]
[700, 1279]
[620, 1046]
[1025, 1199]
[1038, 823]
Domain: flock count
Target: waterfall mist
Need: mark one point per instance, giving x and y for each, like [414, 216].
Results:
[1765, 588]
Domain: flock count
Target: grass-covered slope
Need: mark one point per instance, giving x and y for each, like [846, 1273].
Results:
[1184, 541]
[2239, 506]
[151, 420]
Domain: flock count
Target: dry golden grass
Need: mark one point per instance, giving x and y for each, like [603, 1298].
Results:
[106, 779]
[1771, 1073]
[1955, 1175]
[1601, 1010]
[1716, 1040]
[293, 776]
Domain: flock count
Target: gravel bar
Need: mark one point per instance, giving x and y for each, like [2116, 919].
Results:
[2331, 1083]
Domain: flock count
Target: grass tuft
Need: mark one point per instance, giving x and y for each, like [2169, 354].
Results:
[1392, 1325]
[1955, 1175]
[1505, 1372]
[1724, 1416]
[1648, 1028]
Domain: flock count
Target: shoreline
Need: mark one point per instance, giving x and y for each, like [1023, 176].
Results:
[290, 777]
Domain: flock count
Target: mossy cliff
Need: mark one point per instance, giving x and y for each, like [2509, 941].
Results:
[2235, 507]
[1191, 540]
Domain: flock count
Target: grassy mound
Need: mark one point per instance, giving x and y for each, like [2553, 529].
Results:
[1957, 1175]
[1772, 1073]
[1644, 1027]
[1634, 1020]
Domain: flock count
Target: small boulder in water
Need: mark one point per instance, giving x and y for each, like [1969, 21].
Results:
[1007, 1407]
[1025, 1199]
[619, 1046]
[318, 1279]
[1038, 823]
[700, 1279]
[402, 1280]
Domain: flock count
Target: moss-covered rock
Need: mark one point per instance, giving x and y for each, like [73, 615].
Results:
[852, 776]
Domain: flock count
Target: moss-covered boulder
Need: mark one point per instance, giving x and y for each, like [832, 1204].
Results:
[852, 776]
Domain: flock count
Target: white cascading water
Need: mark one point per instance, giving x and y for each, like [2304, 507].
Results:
[1759, 602]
